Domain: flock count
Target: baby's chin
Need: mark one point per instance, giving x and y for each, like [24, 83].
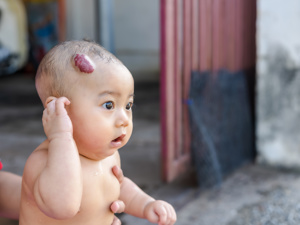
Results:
[98, 156]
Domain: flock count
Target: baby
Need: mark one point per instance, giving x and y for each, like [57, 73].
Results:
[72, 177]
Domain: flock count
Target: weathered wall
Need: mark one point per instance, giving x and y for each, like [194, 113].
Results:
[278, 83]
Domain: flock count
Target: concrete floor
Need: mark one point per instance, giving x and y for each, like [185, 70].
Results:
[252, 195]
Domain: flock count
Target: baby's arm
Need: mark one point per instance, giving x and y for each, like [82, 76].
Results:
[58, 188]
[10, 195]
[139, 204]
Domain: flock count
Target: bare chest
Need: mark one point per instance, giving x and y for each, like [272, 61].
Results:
[100, 188]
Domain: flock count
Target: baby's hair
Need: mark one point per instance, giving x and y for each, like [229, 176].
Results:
[59, 60]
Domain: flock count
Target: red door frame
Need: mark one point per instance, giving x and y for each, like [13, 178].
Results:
[175, 43]
[202, 35]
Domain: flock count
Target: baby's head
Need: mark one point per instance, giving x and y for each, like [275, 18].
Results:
[100, 89]
[66, 63]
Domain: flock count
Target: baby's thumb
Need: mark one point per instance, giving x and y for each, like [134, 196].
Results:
[152, 217]
[117, 206]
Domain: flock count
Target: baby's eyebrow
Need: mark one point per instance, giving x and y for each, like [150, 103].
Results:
[109, 93]
[114, 93]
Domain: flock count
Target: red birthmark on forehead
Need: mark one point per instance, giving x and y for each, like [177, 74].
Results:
[84, 63]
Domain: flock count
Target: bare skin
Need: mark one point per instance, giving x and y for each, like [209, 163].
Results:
[92, 174]
[93, 179]
[10, 195]
[74, 176]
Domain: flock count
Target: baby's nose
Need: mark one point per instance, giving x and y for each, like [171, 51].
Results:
[122, 119]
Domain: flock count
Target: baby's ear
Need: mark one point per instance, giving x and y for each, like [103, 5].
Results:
[48, 100]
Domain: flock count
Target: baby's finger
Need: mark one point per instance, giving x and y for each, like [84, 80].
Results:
[117, 206]
[117, 171]
[153, 217]
[116, 221]
[51, 106]
[171, 215]
[174, 217]
[60, 105]
[45, 115]
[163, 215]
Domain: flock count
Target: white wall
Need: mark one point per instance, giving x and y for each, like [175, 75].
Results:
[137, 35]
[80, 19]
[136, 32]
[278, 82]
[278, 25]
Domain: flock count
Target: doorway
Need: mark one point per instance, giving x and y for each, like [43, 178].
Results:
[137, 45]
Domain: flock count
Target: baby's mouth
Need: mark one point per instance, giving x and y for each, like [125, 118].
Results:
[119, 139]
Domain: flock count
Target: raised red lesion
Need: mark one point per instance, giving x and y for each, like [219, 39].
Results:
[84, 63]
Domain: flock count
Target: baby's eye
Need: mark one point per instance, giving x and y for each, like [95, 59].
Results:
[108, 105]
[129, 105]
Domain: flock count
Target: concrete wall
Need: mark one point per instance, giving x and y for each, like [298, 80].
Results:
[136, 32]
[278, 83]
[80, 19]
[137, 36]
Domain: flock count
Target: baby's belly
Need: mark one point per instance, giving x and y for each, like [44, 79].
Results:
[36, 217]
[96, 207]
[99, 192]
[94, 210]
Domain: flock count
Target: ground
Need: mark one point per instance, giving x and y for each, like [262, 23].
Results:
[253, 195]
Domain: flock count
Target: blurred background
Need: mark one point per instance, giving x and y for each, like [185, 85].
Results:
[130, 29]
[217, 97]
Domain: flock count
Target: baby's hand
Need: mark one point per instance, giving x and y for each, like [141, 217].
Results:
[56, 121]
[160, 212]
[117, 206]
